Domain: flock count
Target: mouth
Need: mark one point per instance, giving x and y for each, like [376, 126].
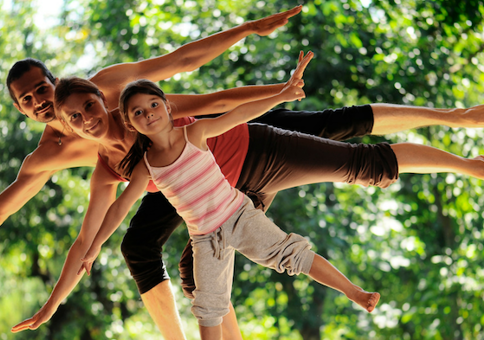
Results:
[154, 121]
[92, 127]
[44, 110]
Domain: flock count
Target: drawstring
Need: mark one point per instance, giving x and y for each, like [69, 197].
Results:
[217, 236]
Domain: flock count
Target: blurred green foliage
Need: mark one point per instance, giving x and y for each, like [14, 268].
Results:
[419, 243]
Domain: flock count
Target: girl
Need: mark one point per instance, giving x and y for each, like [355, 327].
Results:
[219, 217]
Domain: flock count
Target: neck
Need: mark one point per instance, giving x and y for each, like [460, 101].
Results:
[57, 126]
[117, 132]
[165, 139]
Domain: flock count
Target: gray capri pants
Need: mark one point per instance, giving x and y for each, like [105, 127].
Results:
[250, 232]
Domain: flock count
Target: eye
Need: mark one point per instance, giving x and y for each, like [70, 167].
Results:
[74, 116]
[89, 105]
[26, 99]
[42, 89]
[154, 104]
[137, 112]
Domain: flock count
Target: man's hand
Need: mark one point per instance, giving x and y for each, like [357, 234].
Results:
[42, 316]
[267, 25]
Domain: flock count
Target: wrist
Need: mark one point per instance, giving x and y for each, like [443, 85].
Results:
[248, 27]
[51, 305]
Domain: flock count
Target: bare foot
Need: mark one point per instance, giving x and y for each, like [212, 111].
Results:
[365, 299]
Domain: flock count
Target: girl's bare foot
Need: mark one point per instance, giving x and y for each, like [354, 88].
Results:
[365, 299]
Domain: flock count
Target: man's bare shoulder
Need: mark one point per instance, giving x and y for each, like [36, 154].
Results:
[50, 156]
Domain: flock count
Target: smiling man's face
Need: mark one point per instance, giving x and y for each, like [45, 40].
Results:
[35, 95]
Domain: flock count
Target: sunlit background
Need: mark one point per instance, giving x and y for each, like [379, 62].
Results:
[419, 242]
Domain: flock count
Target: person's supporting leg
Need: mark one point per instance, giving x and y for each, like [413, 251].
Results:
[326, 274]
[213, 269]
[210, 333]
[230, 327]
[416, 158]
[389, 118]
[149, 229]
[160, 303]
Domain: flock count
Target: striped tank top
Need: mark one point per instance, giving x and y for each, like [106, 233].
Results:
[197, 189]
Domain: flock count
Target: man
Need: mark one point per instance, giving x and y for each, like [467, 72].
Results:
[33, 89]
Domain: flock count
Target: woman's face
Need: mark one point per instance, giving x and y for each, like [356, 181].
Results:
[86, 114]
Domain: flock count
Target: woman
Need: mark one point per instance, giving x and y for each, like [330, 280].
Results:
[257, 159]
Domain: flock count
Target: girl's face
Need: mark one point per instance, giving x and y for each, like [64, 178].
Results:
[86, 114]
[148, 114]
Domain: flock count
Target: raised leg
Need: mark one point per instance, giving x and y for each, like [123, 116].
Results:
[416, 158]
[389, 118]
[326, 274]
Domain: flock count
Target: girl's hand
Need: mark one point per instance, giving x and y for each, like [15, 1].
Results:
[293, 88]
[294, 91]
[89, 259]
[42, 316]
[267, 25]
[296, 78]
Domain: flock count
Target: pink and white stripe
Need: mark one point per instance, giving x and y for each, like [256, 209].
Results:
[197, 189]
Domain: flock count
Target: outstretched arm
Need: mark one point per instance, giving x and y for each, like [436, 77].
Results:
[189, 57]
[220, 101]
[27, 184]
[206, 128]
[116, 214]
[39, 166]
[103, 193]
[226, 100]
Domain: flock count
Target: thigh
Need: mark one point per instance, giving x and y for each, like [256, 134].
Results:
[260, 240]
[278, 159]
[142, 245]
[336, 124]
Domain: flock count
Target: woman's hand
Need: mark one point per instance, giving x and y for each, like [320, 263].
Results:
[42, 316]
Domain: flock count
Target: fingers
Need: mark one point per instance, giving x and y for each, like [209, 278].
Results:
[292, 12]
[80, 271]
[87, 265]
[283, 16]
[301, 56]
[22, 326]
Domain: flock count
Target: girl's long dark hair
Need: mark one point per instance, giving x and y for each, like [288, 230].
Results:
[142, 143]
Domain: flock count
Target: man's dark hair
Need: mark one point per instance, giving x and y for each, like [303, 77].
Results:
[21, 67]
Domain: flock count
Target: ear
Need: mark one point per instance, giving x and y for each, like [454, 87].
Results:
[103, 97]
[17, 106]
[129, 126]
[56, 81]
[168, 106]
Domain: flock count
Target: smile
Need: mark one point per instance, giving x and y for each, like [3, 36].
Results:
[44, 110]
[154, 121]
[92, 127]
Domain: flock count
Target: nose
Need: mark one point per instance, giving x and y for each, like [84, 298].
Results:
[38, 101]
[86, 119]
